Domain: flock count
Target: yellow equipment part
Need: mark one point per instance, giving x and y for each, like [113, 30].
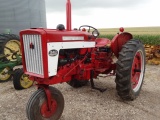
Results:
[14, 45]
[25, 81]
[4, 76]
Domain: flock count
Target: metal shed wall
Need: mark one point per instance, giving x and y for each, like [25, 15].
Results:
[16, 15]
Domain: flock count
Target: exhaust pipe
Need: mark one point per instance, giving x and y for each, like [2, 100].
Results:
[68, 15]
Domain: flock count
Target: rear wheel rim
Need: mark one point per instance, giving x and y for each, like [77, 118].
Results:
[137, 71]
[4, 75]
[13, 45]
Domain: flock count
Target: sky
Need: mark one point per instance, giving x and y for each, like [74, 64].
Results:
[105, 13]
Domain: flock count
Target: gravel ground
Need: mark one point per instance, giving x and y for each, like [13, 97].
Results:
[88, 104]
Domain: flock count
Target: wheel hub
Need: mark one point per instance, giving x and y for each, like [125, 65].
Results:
[4, 74]
[25, 81]
[45, 110]
[13, 45]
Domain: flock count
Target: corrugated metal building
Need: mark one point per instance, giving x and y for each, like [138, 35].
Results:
[16, 15]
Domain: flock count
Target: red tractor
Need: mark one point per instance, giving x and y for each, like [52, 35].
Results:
[52, 56]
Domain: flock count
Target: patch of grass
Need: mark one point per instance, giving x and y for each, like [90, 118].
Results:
[148, 35]
[148, 39]
[133, 30]
[109, 36]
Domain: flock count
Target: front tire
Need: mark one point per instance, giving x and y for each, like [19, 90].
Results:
[5, 75]
[21, 80]
[130, 70]
[37, 105]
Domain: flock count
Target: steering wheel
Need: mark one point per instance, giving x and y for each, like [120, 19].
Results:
[89, 27]
[95, 31]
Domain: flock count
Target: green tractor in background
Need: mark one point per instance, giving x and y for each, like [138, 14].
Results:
[10, 58]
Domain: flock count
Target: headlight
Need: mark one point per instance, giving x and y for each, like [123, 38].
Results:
[95, 33]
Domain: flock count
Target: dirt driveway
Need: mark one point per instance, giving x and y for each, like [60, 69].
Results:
[88, 104]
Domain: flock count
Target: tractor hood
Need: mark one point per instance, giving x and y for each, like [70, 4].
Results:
[54, 35]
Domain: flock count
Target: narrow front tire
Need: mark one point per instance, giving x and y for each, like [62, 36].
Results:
[37, 105]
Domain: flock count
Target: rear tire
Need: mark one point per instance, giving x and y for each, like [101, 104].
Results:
[77, 83]
[21, 80]
[130, 70]
[11, 41]
[36, 108]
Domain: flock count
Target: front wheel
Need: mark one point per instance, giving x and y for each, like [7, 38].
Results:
[21, 80]
[5, 75]
[37, 107]
[130, 70]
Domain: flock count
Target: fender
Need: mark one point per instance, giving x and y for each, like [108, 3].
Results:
[102, 42]
[118, 41]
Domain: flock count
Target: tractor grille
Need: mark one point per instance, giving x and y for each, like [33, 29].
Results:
[33, 53]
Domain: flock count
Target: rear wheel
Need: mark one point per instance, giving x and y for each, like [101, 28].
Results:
[4, 75]
[77, 83]
[21, 80]
[37, 105]
[130, 70]
[8, 44]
